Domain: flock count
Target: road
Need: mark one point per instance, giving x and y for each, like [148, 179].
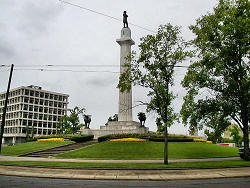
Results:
[24, 182]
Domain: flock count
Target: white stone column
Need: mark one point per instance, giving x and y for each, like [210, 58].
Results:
[125, 98]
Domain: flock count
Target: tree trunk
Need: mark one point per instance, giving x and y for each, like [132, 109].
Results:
[166, 133]
[246, 139]
[166, 145]
[245, 131]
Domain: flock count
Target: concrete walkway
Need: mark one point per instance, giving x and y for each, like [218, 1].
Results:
[94, 174]
[120, 174]
[14, 158]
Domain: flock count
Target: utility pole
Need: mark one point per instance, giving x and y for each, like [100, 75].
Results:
[5, 108]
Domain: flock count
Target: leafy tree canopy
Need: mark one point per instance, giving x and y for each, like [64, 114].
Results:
[154, 69]
[235, 133]
[218, 81]
[112, 118]
[70, 124]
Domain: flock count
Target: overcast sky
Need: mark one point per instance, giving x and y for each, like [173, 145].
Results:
[49, 32]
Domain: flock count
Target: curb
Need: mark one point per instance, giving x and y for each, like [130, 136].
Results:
[138, 175]
[142, 169]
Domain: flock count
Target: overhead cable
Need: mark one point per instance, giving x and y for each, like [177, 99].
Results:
[106, 15]
[95, 66]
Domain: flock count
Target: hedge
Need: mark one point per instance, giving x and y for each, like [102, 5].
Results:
[171, 139]
[75, 138]
[82, 138]
[149, 136]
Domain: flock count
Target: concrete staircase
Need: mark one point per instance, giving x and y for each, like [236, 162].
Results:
[58, 150]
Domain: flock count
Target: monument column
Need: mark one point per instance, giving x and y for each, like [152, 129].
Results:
[125, 98]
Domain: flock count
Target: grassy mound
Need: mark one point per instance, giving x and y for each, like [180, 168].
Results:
[150, 150]
[30, 147]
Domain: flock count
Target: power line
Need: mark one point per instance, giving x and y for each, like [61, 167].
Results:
[106, 15]
[67, 70]
[50, 65]
[94, 66]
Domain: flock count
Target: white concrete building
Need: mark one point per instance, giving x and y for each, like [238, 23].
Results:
[31, 108]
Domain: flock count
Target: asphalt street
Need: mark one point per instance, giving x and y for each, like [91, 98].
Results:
[24, 182]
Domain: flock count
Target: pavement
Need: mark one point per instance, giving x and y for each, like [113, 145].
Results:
[15, 158]
[120, 174]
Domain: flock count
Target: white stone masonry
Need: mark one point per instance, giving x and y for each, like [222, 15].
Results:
[125, 98]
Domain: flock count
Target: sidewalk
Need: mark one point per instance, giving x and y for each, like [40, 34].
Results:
[93, 174]
[121, 174]
[14, 158]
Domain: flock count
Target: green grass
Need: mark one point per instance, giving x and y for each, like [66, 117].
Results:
[150, 150]
[129, 165]
[28, 147]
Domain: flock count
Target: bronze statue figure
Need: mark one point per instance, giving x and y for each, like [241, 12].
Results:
[87, 120]
[125, 19]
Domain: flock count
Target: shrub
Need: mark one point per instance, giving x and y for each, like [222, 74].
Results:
[82, 138]
[149, 136]
[172, 139]
[44, 137]
[75, 138]
[128, 140]
[227, 140]
[199, 140]
[51, 140]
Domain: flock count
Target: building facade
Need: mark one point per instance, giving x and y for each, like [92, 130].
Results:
[31, 111]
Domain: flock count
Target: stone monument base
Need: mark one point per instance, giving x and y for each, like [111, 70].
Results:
[116, 127]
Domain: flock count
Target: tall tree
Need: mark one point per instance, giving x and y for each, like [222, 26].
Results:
[154, 70]
[217, 125]
[218, 82]
[235, 133]
[70, 124]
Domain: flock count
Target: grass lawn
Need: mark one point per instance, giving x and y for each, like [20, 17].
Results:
[150, 150]
[28, 147]
[129, 165]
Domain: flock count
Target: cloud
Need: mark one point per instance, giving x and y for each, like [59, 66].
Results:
[37, 16]
[6, 50]
[103, 81]
[41, 32]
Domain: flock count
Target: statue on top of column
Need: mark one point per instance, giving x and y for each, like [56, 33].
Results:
[125, 19]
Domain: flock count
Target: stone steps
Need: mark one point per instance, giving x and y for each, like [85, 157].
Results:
[57, 150]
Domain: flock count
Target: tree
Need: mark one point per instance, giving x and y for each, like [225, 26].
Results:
[154, 70]
[112, 118]
[235, 133]
[215, 121]
[159, 124]
[70, 124]
[142, 118]
[218, 82]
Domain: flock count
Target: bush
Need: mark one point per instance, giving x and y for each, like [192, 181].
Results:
[128, 135]
[43, 137]
[172, 139]
[82, 138]
[149, 136]
[227, 140]
[75, 138]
